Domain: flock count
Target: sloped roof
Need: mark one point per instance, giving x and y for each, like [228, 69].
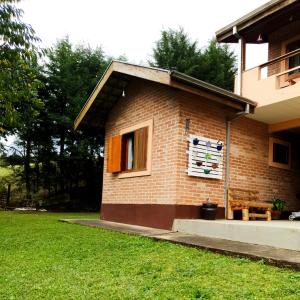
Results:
[117, 76]
[263, 20]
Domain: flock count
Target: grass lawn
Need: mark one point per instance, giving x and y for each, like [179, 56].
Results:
[41, 258]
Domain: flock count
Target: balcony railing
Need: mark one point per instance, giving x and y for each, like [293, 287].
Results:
[268, 83]
[278, 60]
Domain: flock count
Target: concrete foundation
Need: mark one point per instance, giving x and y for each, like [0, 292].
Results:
[279, 234]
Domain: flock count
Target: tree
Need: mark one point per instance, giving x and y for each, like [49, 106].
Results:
[68, 157]
[55, 157]
[176, 51]
[218, 65]
[17, 53]
[71, 77]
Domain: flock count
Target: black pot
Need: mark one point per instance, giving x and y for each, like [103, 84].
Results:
[209, 211]
[195, 141]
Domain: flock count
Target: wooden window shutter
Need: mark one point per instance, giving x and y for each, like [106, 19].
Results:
[140, 148]
[114, 154]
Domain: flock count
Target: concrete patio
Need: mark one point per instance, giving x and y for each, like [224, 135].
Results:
[270, 255]
[279, 234]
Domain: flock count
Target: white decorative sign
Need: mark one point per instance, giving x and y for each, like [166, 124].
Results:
[205, 157]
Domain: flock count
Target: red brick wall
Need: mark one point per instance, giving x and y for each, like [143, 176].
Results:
[146, 101]
[248, 160]
[249, 163]
[276, 41]
[207, 119]
[169, 182]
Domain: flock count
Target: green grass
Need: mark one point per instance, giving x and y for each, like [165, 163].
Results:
[41, 258]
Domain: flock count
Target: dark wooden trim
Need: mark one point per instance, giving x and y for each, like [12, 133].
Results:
[152, 215]
[280, 58]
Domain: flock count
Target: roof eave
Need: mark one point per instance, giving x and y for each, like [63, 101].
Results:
[225, 34]
[172, 79]
[211, 88]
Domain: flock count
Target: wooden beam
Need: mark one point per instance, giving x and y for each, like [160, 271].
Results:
[243, 56]
[253, 18]
[109, 87]
[207, 95]
[93, 96]
[147, 73]
[284, 125]
[280, 58]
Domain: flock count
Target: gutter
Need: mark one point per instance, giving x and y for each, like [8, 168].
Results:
[262, 11]
[210, 88]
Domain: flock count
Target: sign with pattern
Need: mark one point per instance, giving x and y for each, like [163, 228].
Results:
[205, 157]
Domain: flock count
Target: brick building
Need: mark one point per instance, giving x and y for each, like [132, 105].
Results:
[163, 129]
[173, 107]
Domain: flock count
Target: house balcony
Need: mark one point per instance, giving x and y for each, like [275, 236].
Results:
[275, 86]
[272, 81]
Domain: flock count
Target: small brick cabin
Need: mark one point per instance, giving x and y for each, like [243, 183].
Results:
[153, 171]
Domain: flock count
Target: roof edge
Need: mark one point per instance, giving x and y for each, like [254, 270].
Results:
[157, 75]
[154, 74]
[92, 96]
[224, 32]
[211, 88]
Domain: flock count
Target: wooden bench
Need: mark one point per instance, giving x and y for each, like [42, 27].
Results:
[248, 202]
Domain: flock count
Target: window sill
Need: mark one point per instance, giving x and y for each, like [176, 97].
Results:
[134, 174]
[280, 166]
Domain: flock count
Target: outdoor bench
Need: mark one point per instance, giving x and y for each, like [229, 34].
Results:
[248, 202]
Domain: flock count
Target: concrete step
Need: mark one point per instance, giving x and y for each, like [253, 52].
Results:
[279, 234]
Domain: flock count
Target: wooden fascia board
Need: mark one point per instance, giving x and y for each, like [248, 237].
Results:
[252, 18]
[94, 95]
[146, 73]
[207, 95]
[284, 125]
[152, 74]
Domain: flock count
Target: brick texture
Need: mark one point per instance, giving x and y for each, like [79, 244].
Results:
[276, 43]
[143, 102]
[169, 182]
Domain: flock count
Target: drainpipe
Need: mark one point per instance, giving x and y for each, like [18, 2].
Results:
[246, 111]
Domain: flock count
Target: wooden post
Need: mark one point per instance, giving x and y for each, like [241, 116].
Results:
[245, 212]
[230, 212]
[243, 55]
[8, 194]
[230, 215]
[241, 64]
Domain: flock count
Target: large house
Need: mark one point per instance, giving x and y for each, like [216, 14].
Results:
[172, 141]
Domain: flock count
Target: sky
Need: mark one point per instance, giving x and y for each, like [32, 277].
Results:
[131, 27]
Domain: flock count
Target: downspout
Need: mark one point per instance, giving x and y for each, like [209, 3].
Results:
[246, 111]
[238, 90]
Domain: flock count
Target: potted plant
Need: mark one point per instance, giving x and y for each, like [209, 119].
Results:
[278, 206]
[209, 210]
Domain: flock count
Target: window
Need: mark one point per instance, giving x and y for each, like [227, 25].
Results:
[279, 153]
[134, 150]
[293, 61]
[129, 153]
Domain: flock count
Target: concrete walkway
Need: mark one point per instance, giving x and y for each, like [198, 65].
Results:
[270, 255]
